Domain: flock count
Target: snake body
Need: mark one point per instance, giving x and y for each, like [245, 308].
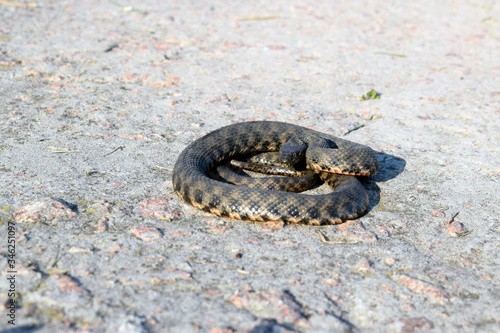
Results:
[345, 158]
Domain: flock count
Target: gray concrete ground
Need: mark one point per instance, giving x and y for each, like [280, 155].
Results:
[99, 98]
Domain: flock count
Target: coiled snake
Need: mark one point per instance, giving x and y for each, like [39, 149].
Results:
[336, 160]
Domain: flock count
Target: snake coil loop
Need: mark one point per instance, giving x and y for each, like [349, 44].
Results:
[334, 159]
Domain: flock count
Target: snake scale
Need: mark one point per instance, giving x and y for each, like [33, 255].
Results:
[336, 164]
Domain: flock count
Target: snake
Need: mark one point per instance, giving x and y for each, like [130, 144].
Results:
[337, 161]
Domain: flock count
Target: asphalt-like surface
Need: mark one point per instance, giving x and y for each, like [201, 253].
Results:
[97, 100]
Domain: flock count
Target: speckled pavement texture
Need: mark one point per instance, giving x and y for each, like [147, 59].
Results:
[99, 98]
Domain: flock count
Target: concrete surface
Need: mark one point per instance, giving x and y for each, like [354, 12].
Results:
[98, 99]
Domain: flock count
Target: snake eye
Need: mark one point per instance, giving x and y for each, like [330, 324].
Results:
[294, 154]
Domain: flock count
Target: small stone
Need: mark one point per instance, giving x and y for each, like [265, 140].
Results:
[103, 224]
[180, 233]
[413, 324]
[274, 304]
[389, 261]
[456, 229]
[438, 213]
[422, 287]
[355, 230]
[46, 210]
[161, 208]
[68, 285]
[147, 234]
[332, 282]
[365, 266]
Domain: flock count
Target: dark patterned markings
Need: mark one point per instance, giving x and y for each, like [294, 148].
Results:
[325, 154]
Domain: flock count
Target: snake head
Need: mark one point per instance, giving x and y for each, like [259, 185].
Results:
[293, 151]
